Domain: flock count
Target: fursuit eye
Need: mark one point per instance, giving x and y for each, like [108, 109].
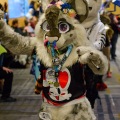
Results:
[45, 26]
[63, 27]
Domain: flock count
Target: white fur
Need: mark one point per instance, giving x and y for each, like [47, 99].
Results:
[65, 111]
[79, 38]
[80, 10]
[97, 58]
[22, 59]
[93, 16]
[44, 4]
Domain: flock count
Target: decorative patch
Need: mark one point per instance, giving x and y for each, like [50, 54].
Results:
[60, 92]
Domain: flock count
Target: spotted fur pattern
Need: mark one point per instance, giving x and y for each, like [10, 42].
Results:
[80, 111]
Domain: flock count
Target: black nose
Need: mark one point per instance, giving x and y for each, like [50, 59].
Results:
[90, 8]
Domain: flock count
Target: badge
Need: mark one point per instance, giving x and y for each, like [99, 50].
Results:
[56, 84]
[51, 77]
[56, 61]
[45, 116]
[50, 73]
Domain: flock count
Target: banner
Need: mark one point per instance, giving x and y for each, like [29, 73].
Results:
[17, 8]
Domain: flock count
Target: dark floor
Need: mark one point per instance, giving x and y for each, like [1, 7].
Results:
[28, 104]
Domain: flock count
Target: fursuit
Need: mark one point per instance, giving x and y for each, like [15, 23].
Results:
[63, 49]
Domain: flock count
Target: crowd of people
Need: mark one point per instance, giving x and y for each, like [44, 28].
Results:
[7, 59]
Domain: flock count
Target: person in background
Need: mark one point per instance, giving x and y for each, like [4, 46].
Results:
[29, 15]
[114, 23]
[6, 74]
[6, 16]
[106, 50]
[96, 34]
[109, 33]
[28, 29]
[32, 6]
[118, 24]
[15, 26]
[38, 10]
[31, 19]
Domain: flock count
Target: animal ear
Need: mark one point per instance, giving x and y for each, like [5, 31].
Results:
[45, 3]
[81, 7]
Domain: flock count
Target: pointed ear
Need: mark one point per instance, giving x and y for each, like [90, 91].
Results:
[81, 7]
[45, 4]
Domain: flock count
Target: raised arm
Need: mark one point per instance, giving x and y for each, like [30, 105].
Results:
[15, 42]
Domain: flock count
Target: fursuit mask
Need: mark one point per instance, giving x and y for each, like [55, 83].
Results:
[94, 7]
[77, 9]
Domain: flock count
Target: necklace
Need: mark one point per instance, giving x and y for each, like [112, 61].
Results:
[57, 62]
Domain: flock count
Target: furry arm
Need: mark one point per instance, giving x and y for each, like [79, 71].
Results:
[15, 42]
[93, 58]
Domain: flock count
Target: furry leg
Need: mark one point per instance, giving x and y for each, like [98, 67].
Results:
[79, 111]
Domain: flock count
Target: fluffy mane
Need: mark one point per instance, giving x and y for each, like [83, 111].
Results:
[73, 37]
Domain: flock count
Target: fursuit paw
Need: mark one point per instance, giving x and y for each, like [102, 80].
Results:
[93, 58]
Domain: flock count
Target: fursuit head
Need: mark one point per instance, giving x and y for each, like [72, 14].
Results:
[63, 49]
[93, 15]
[95, 29]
